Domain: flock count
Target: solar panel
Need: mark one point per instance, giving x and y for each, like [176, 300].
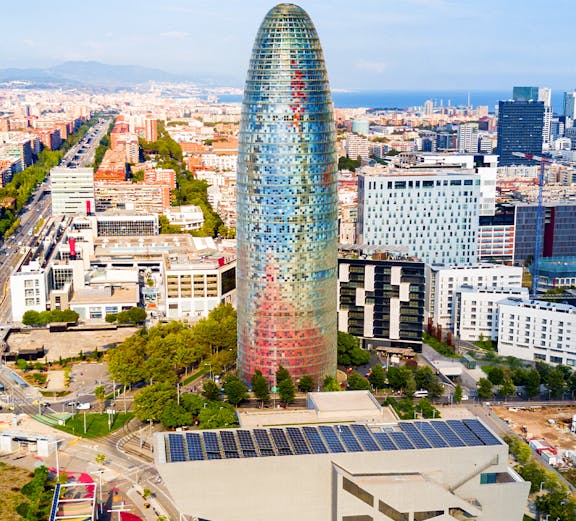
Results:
[212, 446]
[263, 442]
[416, 437]
[298, 441]
[176, 447]
[384, 441]
[54, 508]
[282, 444]
[464, 433]
[431, 435]
[246, 444]
[363, 434]
[401, 441]
[331, 439]
[314, 440]
[481, 431]
[348, 438]
[194, 446]
[448, 434]
[229, 444]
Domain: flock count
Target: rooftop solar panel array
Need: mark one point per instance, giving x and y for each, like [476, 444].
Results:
[323, 439]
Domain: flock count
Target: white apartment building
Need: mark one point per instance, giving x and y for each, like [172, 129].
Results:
[444, 282]
[72, 190]
[468, 137]
[357, 146]
[537, 330]
[28, 290]
[433, 215]
[475, 310]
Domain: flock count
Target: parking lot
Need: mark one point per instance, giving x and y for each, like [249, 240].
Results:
[66, 344]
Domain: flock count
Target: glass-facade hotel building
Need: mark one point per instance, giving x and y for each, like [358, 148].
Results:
[287, 204]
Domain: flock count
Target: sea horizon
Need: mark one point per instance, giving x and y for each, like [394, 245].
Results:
[403, 99]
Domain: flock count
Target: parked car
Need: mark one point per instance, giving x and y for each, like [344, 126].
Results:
[83, 406]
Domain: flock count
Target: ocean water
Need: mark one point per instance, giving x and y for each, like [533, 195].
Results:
[404, 99]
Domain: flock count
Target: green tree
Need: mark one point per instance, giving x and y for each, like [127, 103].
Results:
[111, 318]
[210, 390]
[496, 375]
[458, 393]
[507, 388]
[532, 383]
[126, 361]
[217, 415]
[484, 388]
[357, 382]
[425, 378]
[286, 390]
[175, 415]
[377, 377]
[260, 387]
[350, 352]
[151, 402]
[100, 395]
[282, 374]
[398, 377]
[193, 403]
[136, 315]
[31, 318]
[555, 383]
[100, 459]
[235, 389]
[330, 384]
[306, 384]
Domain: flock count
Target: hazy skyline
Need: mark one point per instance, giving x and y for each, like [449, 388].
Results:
[370, 44]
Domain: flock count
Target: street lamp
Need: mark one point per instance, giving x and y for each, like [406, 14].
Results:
[209, 365]
[57, 460]
[100, 472]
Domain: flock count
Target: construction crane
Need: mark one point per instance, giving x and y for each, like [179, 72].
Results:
[539, 221]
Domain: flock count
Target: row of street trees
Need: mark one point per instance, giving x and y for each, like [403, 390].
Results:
[557, 380]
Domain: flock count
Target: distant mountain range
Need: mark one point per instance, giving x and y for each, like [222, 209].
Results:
[89, 73]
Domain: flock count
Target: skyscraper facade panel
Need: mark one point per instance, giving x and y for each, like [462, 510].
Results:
[287, 204]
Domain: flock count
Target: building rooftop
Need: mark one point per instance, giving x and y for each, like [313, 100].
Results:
[321, 439]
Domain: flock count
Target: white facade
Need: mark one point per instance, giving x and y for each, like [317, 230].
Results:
[487, 170]
[475, 310]
[357, 146]
[28, 290]
[433, 216]
[188, 217]
[468, 137]
[450, 279]
[71, 189]
[537, 330]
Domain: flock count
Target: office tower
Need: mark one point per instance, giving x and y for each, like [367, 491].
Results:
[287, 204]
[520, 129]
[558, 238]
[433, 216]
[543, 94]
[72, 190]
[570, 104]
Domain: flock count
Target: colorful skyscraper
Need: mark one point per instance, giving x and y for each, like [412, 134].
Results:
[287, 204]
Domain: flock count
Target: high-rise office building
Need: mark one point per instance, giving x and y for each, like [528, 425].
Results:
[520, 129]
[287, 204]
[72, 190]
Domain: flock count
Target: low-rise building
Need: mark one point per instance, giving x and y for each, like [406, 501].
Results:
[353, 469]
[475, 310]
[537, 330]
[28, 290]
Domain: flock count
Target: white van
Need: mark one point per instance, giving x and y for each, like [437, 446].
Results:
[421, 393]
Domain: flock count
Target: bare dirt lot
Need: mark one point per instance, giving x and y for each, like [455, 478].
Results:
[67, 343]
[533, 423]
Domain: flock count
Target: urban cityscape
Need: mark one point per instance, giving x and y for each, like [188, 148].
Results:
[269, 272]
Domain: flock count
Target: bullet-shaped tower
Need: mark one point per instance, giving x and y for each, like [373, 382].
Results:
[287, 204]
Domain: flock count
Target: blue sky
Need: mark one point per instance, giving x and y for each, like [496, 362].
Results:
[368, 44]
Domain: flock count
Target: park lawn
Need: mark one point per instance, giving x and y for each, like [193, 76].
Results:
[96, 424]
[12, 479]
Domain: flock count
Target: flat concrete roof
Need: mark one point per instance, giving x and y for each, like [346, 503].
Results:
[344, 401]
